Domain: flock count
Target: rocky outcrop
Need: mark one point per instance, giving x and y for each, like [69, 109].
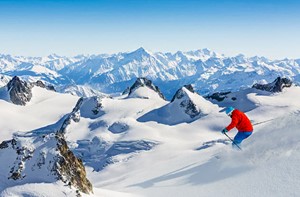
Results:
[20, 92]
[186, 103]
[181, 93]
[276, 86]
[126, 91]
[219, 96]
[69, 168]
[45, 155]
[41, 84]
[144, 82]
[45, 152]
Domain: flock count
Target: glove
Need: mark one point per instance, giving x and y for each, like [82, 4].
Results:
[224, 131]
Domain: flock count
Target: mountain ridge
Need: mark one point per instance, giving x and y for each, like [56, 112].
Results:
[206, 70]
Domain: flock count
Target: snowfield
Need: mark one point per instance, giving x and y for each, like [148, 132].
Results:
[46, 107]
[127, 156]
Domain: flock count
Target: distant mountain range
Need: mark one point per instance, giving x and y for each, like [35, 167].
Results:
[206, 70]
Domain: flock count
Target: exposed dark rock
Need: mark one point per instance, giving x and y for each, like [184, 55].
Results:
[275, 86]
[70, 168]
[190, 88]
[46, 154]
[141, 82]
[126, 91]
[39, 83]
[74, 115]
[51, 87]
[190, 108]
[180, 93]
[3, 145]
[19, 91]
[219, 96]
[186, 103]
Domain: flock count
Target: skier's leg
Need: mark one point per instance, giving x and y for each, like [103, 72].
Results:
[240, 136]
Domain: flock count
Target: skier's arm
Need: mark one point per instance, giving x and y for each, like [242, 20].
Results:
[233, 123]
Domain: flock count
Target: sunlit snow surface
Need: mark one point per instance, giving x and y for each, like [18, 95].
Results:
[189, 159]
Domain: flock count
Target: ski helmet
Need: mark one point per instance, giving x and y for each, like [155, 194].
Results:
[229, 110]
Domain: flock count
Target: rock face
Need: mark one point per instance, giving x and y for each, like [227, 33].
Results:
[219, 96]
[85, 107]
[144, 82]
[20, 92]
[70, 168]
[186, 103]
[186, 106]
[42, 157]
[181, 93]
[275, 86]
[39, 83]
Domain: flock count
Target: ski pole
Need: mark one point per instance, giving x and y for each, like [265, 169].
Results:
[233, 141]
[264, 121]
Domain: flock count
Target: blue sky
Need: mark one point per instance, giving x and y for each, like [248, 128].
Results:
[37, 28]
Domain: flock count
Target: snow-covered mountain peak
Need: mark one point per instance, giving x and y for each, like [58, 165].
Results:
[140, 86]
[185, 107]
[53, 56]
[140, 52]
[205, 69]
[192, 103]
[182, 92]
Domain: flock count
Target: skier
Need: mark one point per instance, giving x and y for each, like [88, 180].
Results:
[241, 122]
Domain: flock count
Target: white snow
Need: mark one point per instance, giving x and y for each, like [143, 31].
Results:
[190, 159]
[45, 108]
[111, 73]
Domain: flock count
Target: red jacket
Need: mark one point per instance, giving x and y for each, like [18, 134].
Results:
[240, 121]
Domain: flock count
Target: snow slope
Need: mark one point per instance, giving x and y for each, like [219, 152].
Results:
[148, 158]
[46, 107]
[184, 164]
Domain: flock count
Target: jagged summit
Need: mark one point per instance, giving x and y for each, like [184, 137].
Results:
[181, 92]
[141, 83]
[276, 86]
[186, 106]
[139, 52]
[20, 92]
[190, 102]
[209, 71]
